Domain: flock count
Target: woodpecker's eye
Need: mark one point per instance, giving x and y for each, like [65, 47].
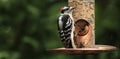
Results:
[67, 9]
[64, 9]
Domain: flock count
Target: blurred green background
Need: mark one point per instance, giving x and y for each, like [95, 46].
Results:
[28, 28]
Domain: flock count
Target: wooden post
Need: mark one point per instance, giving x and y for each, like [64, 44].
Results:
[84, 37]
[84, 17]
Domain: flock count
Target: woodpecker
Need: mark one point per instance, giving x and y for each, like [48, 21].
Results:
[66, 27]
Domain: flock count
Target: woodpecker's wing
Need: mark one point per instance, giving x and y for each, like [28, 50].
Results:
[65, 28]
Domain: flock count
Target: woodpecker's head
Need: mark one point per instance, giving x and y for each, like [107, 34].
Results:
[66, 9]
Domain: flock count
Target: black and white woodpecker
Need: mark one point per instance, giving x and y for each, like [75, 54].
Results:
[66, 27]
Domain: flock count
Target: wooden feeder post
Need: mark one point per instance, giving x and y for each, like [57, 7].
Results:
[84, 9]
[84, 34]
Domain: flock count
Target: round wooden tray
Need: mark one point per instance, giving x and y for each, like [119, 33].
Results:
[96, 50]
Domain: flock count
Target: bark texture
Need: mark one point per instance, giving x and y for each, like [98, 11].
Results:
[84, 17]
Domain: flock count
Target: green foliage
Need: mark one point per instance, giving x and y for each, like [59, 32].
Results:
[28, 28]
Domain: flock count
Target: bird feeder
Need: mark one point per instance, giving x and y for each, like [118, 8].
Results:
[84, 34]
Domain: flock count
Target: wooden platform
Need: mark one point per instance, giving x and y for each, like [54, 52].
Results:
[96, 50]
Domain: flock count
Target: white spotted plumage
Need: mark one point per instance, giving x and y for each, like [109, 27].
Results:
[66, 27]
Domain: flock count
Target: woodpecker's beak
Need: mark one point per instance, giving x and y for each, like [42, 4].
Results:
[71, 8]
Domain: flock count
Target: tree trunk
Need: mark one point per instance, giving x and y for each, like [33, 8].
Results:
[84, 17]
